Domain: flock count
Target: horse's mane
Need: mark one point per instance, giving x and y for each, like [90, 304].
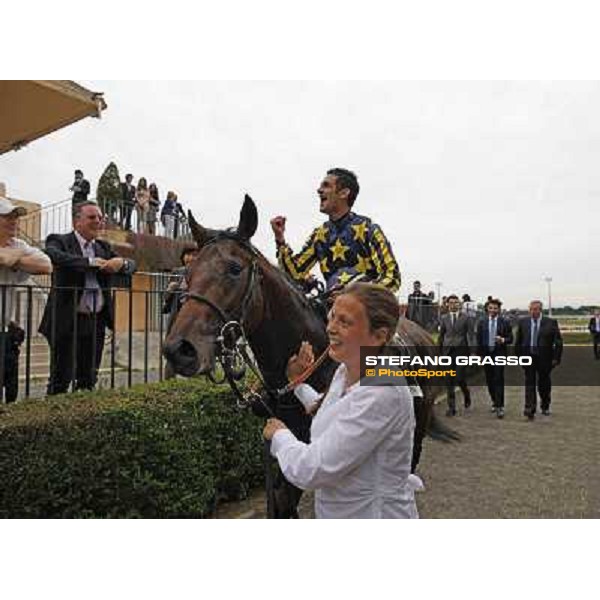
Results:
[281, 277]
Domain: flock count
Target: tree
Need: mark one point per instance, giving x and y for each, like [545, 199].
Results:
[108, 194]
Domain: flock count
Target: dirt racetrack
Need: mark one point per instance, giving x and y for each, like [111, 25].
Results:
[510, 468]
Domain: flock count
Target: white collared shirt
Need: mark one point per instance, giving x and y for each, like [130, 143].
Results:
[359, 457]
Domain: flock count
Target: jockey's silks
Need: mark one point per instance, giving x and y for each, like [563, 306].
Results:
[352, 247]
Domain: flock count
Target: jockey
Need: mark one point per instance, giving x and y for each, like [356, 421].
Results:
[347, 246]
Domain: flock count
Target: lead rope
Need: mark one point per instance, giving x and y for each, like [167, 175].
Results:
[292, 385]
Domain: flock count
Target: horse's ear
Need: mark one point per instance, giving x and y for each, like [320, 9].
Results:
[248, 219]
[199, 233]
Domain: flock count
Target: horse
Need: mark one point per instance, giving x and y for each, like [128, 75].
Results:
[231, 282]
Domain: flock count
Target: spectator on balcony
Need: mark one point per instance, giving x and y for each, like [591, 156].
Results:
[80, 306]
[142, 204]
[153, 206]
[180, 219]
[127, 201]
[167, 214]
[18, 261]
[80, 188]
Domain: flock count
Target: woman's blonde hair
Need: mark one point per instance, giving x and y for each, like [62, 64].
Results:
[381, 306]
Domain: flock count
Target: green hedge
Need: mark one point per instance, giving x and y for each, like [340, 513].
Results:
[173, 449]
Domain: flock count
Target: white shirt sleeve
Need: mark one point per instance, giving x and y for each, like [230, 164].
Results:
[307, 395]
[370, 415]
[21, 275]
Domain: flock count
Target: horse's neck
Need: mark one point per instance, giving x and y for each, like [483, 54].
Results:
[287, 321]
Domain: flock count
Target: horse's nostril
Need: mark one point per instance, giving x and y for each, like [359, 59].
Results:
[183, 357]
[181, 350]
[187, 350]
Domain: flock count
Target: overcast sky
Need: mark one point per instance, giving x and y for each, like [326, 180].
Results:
[486, 187]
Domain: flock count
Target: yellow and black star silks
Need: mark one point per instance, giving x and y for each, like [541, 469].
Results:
[352, 247]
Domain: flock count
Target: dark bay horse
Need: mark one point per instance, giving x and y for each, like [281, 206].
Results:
[230, 280]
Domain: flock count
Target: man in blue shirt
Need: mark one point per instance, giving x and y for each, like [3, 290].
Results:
[540, 338]
[494, 334]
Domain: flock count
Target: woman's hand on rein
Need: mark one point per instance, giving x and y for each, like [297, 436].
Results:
[298, 363]
[271, 427]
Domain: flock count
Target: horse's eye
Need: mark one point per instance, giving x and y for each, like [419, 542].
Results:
[234, 268]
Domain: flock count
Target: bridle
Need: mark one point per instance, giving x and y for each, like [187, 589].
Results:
[232, 344]
[249, 284]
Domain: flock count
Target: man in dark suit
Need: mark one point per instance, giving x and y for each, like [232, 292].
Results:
[456, 337]
[494, 334]
[80, 188]
[80, 305]
[538, 337]
[418, 305]
[127, 201]
[594, 328]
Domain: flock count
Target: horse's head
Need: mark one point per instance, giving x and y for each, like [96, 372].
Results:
[222, 286]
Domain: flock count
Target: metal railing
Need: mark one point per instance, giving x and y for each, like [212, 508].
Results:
[37, 225]
[131, 353]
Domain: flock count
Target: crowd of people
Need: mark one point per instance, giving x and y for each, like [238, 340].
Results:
[463, 329]
[141, 199]
[359, 458]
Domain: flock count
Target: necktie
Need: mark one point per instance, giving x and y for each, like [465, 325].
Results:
[492, 338]
[534, 337]
[453, 320]
[90, 294]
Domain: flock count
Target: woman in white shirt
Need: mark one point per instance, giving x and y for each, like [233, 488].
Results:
[358, 460]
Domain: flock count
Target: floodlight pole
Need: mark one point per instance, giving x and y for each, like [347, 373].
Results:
[438, 285]
[548, 280]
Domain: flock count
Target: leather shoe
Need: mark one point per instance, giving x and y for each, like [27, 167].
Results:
[500, 413]
[451, 412]
[546, 412]
[530, 416]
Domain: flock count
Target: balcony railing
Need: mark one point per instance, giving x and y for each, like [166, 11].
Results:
[37, 225]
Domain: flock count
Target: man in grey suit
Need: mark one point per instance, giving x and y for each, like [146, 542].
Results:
[456, 337]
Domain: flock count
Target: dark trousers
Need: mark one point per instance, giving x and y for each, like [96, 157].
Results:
[494, 378]
[461, 382]
[537, 375]
[126, 209]
[9, 368]
[596, 345]
[85, 350]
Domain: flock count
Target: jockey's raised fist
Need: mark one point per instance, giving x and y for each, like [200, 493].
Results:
[278, 227]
